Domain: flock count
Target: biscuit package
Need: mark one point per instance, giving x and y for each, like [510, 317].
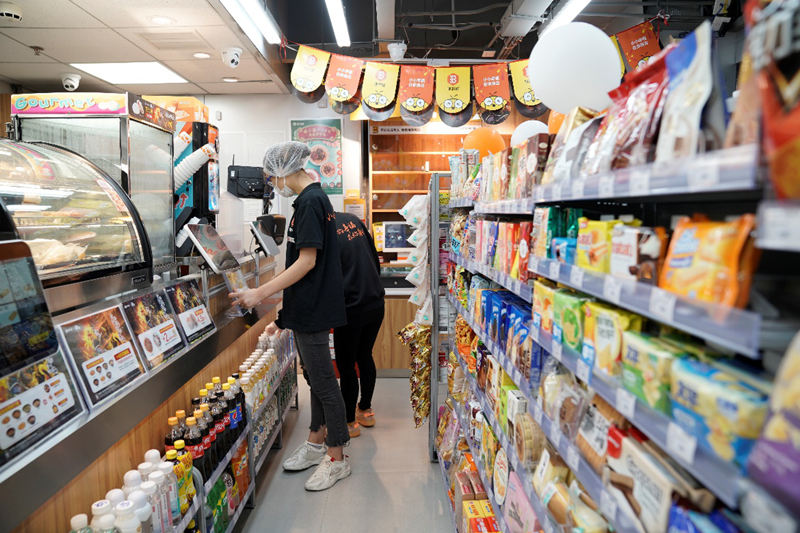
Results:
[602, 339]
[568, 318]
[594, 244]
[543, 294]
[646, 364]
[637, 253]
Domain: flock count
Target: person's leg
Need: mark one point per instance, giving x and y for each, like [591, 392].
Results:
[366, 363]
[316, 431]
[345, 342]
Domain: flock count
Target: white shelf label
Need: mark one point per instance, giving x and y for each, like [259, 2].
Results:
[680, 443]
[662, 304]
[537, 415]
[577, 188]
[539, 194]
[555, 269]
[556, 191]
[703, 177]
[583, 371]
[573, 458]
[555, 434]
[639, 183]
[608, 506]
[556, 350]
[612, 289]
[533, 264]
[606, 186]
[534, 333]
[626, 403]
[576, 277]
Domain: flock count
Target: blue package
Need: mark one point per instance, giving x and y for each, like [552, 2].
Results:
[564, 250]
[538, 356]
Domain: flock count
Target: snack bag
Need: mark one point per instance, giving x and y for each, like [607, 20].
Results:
[568, 164]
[602, 338]
[637, 253]
[646, 365]
[574, 118]
[594, 244]
[520, 267]
[538, 152]
[539, 239]
[711, 261]
[568, 318]
[564, 250]
[543, 293]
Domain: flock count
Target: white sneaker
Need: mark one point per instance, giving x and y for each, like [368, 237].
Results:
[327, 474]
[305, 456]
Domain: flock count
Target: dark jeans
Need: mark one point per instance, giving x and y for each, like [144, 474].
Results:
[353, 344]
[327, 406]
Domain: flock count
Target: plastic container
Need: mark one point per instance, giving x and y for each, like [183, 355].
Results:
[153, 499]
[131, 481]
[105, 524]
[163, 497]
[80, 524]
[171, 481]
[174, 433]
[186, 460]
[145, 469]
[115, 497]
[127, 521]
[180, 476]
[142, 509]
[152, 456]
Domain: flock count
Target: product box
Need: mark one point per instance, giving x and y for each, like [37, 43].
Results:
[538, 151]
[537, 363]
[499, 260]
[469, 510]
[543, 292]
[518, 511]
[516, 404]
[484, 525]
[512, 234]
[594, 244]
[646, 365]
[491, 248]
[524, 248]
[568, 318]
[501, 411]
[462, 493]
[477, 487]
[488, 510]
[602, 339]
[637, 253]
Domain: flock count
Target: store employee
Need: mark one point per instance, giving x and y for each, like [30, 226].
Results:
[313, 304]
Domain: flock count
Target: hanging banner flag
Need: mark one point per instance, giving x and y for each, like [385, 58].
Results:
[522, 83]
[639, 44]
[309, 69]
[416, 88]
[453, 88]
[619, 53]
[380, 84]
[491, 86]
[343, 78]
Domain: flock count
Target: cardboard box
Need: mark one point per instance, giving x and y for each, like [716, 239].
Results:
[484, 525]
[488, 510]
[477, 486]
[517, 404]
[469, 511]
[463, 493]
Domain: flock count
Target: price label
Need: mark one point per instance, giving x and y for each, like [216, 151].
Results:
[612, 289]
[583, 371]
[555, 434]
[539, 194]
[533, 264]
[548, 526]
[703, 177]
[577, 188]
[555, 269]
[626, 403]
[662, 304]
[537, 415]
[606, 186]
[576, 277]
[556, 191]
[639, 183]
[534, 333]
[680, 443]
[556, 350]
[573, 459]
[608, 506]
[779, 227]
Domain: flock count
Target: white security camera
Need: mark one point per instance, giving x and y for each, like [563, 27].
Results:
[70, 81]
[397, 51]
[231, 56]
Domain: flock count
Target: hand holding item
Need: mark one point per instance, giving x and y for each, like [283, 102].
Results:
[272, 329]
[246, 299]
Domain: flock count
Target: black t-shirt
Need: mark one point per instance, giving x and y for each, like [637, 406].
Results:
[316, 302]
[361, 268]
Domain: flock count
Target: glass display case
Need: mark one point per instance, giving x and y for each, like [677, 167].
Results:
[86, 238]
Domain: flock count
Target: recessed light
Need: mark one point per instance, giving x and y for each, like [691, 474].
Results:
[143, 72]
[161, 21]
[201, 55]
[230, 80]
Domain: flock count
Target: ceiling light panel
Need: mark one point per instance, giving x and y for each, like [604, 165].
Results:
[146, 72]
[339, 22]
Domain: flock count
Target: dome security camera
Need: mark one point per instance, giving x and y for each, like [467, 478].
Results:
[397, 51]
[70, 81]
[231, 56]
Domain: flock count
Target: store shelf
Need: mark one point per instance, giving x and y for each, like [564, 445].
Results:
[276, 385]
[401, 191]
[522, 290]
[732, 328]
[227, 459]
[460, 202]
[731, 169]
[386, 211]
[390, 172]
[452, 511]
[779, 226]
[275, 431]
[242, 501]
[522, 206]
[415, 153]
[193, 508]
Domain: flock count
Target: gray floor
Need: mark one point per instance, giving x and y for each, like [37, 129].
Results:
[393, 487]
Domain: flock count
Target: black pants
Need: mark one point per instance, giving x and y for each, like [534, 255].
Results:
[353, 344]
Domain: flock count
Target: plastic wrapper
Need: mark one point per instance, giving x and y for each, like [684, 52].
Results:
[592, 437]
[574, 118]
[418, 275]
[554, 377]
[569, 408]
[569, 162]
[416, 210]
[422, 292]
[425, 313]
[419, 256]
[419, 236]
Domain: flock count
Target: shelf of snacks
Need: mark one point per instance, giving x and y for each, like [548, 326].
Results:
[521, 206]
[779, 225]
[460, 202]
[522, 290]
[450, 505]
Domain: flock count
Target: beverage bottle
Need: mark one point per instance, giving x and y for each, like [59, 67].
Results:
[232, 491]
[212, 435]
[126, 521]
[195, 403]
[194, 443]
[241, 410]
[152, 456]
[180, 476]
[217, 383]
[192, 527]
[233, 418]
[163, 496]
[171, 481]
[180, 414]
[153, 498]
[203, 395]
[239, 465]
[115, 497]
[174, 433]
[99, 508]
[185, 457]
[145, 469]
[222, 503]
[106, 524]
[247, 390]
[218, 412]
[210, 387]
[131, 481]
[142, 510]
[208, 459]
[79, 524]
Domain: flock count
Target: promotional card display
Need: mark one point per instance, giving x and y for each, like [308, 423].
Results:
[102, 347]
[155, 327]
[193, 316]
[235, 281]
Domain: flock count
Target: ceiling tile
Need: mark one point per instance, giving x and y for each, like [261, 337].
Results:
[81, 45]
[213, 70]
[164, 88]
[47, 77]
[217, 37]
[14, 52]
[241, 88]
[130, 14]
[61, 14]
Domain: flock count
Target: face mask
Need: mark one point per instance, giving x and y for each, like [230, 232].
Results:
[284, 191]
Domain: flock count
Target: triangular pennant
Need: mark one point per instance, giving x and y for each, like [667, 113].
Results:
[343, 78]
[522, 83]
[453, 89]
[416, 87]
[309, 69]
[380, 84]
[639, 44]
[491, 86]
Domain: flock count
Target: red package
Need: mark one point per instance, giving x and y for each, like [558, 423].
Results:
[523, 251]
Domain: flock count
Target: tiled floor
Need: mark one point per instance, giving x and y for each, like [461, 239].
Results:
[393, 487]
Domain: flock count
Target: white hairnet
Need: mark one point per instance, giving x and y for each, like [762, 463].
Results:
[286, 158]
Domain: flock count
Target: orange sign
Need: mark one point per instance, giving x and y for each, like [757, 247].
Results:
[491, 86]
[639, 44]
[309, 69]
[380, 84]
[343, 78]
[416, 87]
[453, 88]
[522, 83]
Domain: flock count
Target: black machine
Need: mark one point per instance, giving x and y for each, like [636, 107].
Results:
[246, 182]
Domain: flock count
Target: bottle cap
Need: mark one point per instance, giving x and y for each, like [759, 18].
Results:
[180, 413]
[148, 487]
[101, 507]
[231, 380]
[114, 496]
[192, 524]
[197, 414]
[172, 455]
[195, 401]
[165, 468]
[235, 376]
[203, 393]
[106, 521]
[139, 499]
[172, 421]
[132, 478]
[209, 386]
[152, 456]
[191, 421]
[123, 508]
[145, 468]
[179, 445]
[79, 521]
[156, 477]
[245, 381]
[243, 368]
[226, 386]
[215, 380]
[204, 407]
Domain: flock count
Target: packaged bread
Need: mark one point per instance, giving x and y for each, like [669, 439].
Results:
[592, 439]
[551, 467]
[602, 340]
[529, 440]
[646, 364]
[711, 261]
[557, 499]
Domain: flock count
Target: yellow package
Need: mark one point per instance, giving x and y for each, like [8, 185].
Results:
[602, 337]
[711, 261]
[551, 467]
[470, 509]
[646, 364]
[594, 243]
[543, 294]
[487, 508]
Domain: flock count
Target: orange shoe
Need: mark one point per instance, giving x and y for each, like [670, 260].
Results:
[365, 418]
[353, 429]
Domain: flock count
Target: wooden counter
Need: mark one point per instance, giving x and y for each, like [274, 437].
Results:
[389, 353]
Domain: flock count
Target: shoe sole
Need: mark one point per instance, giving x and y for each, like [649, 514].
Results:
[366, 423]
[354, 434]
[336, 480]
[313, 463]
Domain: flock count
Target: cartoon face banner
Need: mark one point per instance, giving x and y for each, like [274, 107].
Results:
[380, 84]
[639, 44]
[343, 78]
[453, 89]
[522, 83]
[416, 88]
[491, 86]
[309, 69]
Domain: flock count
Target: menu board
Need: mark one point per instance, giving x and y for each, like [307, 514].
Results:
[154, 327]
[102, 347]
[193, 316]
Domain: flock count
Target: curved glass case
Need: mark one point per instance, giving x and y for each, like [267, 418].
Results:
[77, 221]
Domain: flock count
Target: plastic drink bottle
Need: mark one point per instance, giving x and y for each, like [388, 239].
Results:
[192, 527]
[186, 460]
[194, 443]
[210, 388]
[212, 435]
[152, 456]
[209, 460]
[219, 425]
[115, 497]
[217, 383]
[171, 481]
[126, 521]
[80, 524]
[180, 476]
[145, 469]
[203, 397]
[233, 418]
[241, 411]
[196, 401]
[141, 507]
[174, 433]
[105, 524]
[99, 508]
[247, 390]
[163, 497]
[131, 481]
[232, 491]
[156, 519]
[180, 414]
[239, 466]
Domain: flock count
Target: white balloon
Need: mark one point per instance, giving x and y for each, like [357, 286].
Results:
[526, 130]
[574, 65]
